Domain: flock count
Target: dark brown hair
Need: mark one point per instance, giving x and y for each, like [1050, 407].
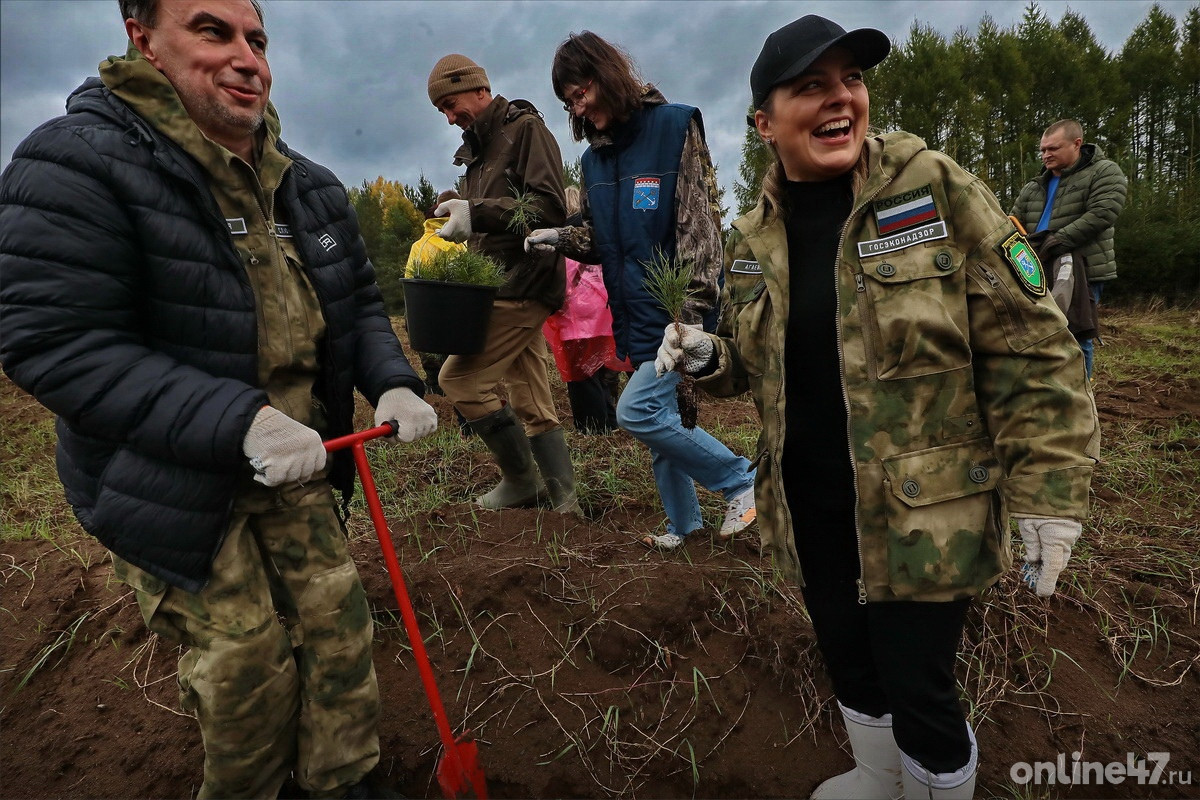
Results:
[586, 57]
[146, 11]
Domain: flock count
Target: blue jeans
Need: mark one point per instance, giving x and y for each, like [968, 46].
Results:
[1086, 344]
[681, 457]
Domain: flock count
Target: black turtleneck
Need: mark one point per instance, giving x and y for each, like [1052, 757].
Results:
[817, 475]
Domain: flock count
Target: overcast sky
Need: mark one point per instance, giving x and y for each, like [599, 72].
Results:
[350, 75]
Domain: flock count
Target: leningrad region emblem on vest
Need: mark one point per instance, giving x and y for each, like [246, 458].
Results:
[645, 193]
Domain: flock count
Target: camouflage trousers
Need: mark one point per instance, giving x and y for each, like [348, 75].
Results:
[278, 670]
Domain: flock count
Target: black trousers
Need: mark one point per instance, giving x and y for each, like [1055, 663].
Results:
[594, 401]
[892, 657]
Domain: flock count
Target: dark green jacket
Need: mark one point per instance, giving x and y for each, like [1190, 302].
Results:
[509, 150]
[1090, 196]
[966, 395]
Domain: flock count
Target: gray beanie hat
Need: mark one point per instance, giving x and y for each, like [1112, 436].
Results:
[455, 73]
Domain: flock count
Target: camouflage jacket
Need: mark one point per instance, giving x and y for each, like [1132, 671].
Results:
[966, 395]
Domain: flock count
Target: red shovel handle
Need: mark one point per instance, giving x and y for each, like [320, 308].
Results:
[342, 442]
[355, 442]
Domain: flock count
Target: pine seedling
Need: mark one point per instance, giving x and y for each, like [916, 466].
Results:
[463, 266]
[669, 283]
[525, 215]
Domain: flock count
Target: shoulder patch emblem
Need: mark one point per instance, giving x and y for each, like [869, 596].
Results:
[744, 267]
[1024, 262]
[645, 193]
[905, 210]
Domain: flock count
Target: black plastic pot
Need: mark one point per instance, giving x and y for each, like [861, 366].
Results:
[446, 317]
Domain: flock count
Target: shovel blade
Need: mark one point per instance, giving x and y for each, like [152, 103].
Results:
[462, 776]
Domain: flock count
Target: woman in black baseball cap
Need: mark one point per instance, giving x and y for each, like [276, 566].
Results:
[917, 386]
[794, 47]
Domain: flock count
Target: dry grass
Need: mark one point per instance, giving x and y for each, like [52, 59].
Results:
[1135, 576]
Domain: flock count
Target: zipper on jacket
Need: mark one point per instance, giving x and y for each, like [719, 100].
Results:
[259, 312]
[203, 194]
[999, 290]
[780, 421]
[866, 304]
[781, 426]
[277, 261]
[619, 243]
[860, 286]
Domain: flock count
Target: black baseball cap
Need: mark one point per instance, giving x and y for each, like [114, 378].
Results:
[794, 47]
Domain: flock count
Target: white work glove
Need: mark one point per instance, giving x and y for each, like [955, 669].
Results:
[282, 450]
[686, 344]
[542, 239]
[1048, 545]
[458, 227]
[414, 418]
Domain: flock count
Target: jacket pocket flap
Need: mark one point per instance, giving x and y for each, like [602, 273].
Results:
[942, 473]
[913, 264]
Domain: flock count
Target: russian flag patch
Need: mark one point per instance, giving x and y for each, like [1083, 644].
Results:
[905, 210]
[645, 193]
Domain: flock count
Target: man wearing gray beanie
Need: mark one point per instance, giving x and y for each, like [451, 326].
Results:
[507, 151]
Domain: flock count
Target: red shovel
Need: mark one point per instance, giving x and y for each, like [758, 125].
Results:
[458, 770]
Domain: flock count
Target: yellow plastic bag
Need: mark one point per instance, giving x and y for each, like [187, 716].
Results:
[429, 245]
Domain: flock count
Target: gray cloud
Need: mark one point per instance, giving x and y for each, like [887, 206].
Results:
[349, 76]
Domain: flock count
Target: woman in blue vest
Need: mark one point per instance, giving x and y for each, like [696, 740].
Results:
[649, 187]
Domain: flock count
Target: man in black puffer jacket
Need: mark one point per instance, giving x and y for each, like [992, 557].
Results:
[194, 301]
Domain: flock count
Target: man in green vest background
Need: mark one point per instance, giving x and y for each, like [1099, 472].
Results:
[1076, 199]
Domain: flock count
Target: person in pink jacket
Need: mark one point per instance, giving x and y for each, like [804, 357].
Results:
[580, 336]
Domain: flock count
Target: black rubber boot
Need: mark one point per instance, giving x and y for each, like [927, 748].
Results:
[553, 459]
[519, 484]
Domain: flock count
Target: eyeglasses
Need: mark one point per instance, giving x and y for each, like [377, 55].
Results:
[577, 98]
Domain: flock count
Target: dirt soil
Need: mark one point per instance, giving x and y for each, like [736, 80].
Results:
[584, 665]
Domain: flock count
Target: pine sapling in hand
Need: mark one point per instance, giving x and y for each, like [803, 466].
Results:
[669, 283]
[525, 214]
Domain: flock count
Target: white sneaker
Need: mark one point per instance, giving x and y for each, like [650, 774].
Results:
[663, 541]
[740, 513]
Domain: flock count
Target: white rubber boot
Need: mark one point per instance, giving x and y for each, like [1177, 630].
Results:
[876, 775]
[921, 784]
